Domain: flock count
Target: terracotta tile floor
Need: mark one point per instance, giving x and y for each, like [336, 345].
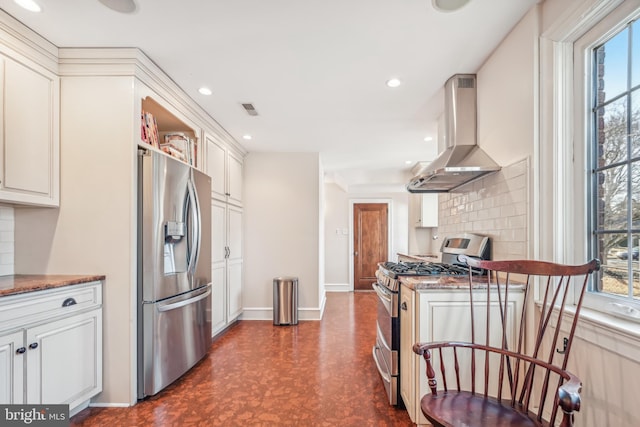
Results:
[257, 374]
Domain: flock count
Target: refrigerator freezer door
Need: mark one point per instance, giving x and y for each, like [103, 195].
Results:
[175, 336]
[171, 224]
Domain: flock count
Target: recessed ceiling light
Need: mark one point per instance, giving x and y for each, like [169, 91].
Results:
[247, 137]
[449, 5]
[394, 82]
[122, 6]
[205, 91]
[408, 162]
[428, 138]
[30, 5]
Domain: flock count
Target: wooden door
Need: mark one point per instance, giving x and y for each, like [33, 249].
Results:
[370, 224]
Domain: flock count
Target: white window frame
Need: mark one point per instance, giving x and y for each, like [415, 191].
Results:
[572, 68]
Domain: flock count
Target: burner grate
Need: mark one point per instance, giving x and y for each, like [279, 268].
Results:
[424, 269]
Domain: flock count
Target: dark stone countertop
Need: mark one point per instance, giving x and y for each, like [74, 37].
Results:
[24, 283]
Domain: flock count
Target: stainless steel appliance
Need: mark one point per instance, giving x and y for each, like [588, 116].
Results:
[174, 270]
[463, 161]
[386, 351]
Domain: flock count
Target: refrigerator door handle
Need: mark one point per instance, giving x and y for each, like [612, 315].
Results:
[194, 250]
[191, 300]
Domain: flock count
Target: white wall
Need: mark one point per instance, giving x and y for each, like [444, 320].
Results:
[338, 266]
[507, 95]
[282, 211]
[91, 232]
[336, 244]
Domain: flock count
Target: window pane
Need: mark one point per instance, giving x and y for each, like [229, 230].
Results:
[635, 195]
[612, 133]
[635, 123]
[635, 54]
[614, 278]
[611, 196]
[612, 65]
[635, 266]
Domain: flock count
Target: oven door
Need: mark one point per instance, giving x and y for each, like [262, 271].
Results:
[385, 351]
[380, 354]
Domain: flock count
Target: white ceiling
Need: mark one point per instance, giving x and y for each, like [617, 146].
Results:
[315, 70]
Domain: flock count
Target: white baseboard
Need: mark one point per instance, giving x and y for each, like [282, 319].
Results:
[266, 313]
[109, 405]
[337, 287]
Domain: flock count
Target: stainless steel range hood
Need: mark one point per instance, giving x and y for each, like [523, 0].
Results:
[462, 161]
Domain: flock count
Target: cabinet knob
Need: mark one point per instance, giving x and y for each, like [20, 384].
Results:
[33, 345]
[21, 350]
[404, 306]
[68, 302]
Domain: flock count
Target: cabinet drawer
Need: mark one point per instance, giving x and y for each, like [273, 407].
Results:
[33, 307]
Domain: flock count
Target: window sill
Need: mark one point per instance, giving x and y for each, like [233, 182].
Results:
[608, 332]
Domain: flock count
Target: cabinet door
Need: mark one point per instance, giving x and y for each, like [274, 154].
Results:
[429, 210]
[218, 232]
[234, 186]
[64, 360]
[217, 168]
[218, 299]
[12, 368]
[234, 272]
[407, 356]
[234, 262]
[218, 266]
[235, 233]
[29, 159]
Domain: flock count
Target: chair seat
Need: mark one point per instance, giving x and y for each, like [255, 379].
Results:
[462, 408]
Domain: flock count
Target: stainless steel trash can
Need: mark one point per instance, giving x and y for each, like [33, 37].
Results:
[285, 301]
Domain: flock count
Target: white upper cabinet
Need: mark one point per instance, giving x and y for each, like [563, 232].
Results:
[428, 215]
[225, 169]
[29, 133]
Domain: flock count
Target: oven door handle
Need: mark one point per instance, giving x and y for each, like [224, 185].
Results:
[383, 373]
[382, 294]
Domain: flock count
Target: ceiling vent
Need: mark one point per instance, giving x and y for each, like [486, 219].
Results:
[250, 109]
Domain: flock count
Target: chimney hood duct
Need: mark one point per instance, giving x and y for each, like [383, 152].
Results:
[462, 161]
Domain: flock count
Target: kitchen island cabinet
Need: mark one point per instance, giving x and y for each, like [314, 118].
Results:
[440, 312]
[51, 342]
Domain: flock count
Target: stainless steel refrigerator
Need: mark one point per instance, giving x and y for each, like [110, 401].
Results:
[174, 269]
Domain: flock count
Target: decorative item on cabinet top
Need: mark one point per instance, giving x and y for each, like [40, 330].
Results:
[163, 131]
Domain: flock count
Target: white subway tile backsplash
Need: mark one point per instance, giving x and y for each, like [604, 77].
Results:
[6, 240]
[496, 206]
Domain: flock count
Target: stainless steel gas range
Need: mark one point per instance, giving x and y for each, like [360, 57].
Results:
[386, 351]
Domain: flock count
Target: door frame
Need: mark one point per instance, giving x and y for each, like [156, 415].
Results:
[353, 202]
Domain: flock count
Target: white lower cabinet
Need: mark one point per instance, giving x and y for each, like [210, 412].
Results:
[56, 359]
[407, 337]
[226, 264]
[443, 315]
[12, 368]
[64, 366]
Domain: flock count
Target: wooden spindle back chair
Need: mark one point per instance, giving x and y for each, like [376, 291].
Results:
[521, 388]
